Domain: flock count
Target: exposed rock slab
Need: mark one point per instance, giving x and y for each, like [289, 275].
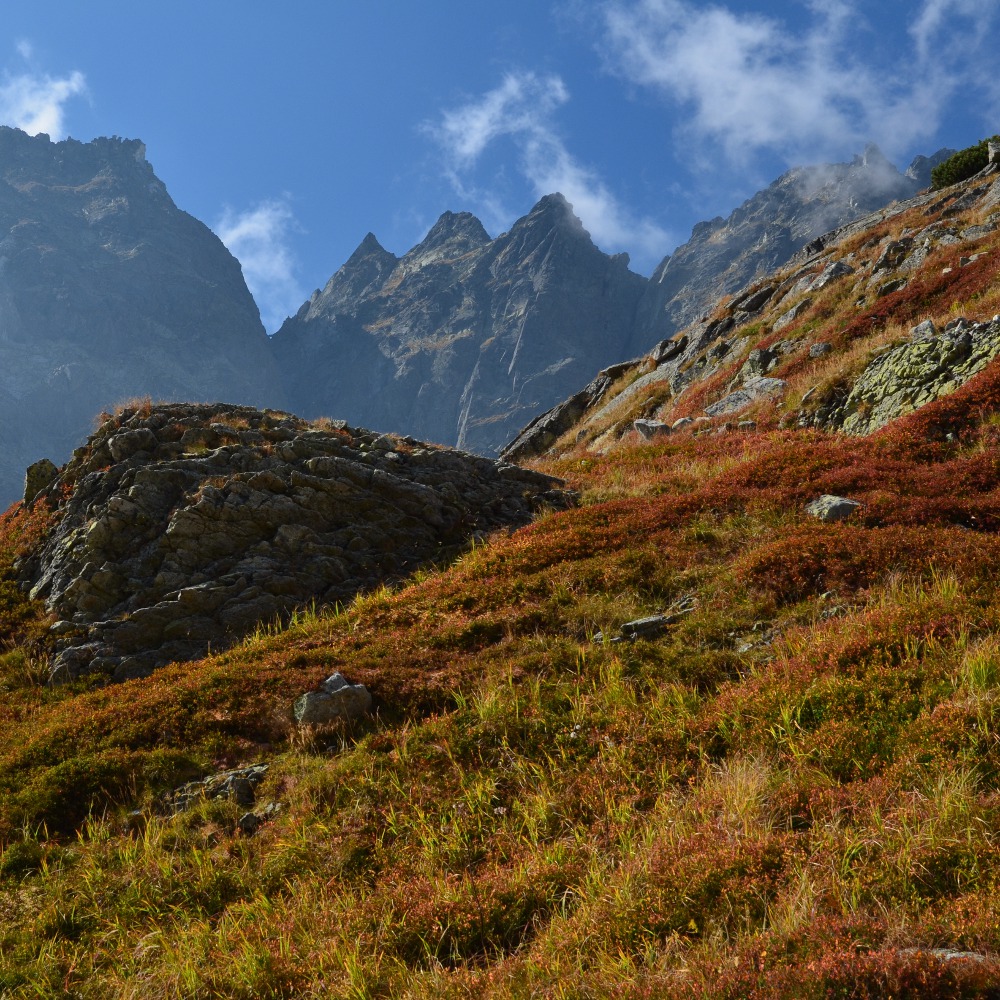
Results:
[929, 366]
[214, 519]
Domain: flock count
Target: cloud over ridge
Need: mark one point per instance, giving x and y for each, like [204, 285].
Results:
[522, 110]
[751, 83]
[259, 238]
[35, 102]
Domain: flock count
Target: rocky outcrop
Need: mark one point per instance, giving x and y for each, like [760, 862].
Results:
[183, 527]
[464, 339]
[931, 365]
[108, 291]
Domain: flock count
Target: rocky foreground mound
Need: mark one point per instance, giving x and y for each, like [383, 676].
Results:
[181, 528]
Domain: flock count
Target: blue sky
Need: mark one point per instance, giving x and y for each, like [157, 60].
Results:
[294, 129]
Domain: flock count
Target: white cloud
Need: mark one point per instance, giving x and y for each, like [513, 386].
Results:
[259, 239]
[750, 83]
[522, 109]
[34, 102]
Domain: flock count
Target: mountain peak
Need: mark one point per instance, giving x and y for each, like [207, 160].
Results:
[368, 247]
[453, 235]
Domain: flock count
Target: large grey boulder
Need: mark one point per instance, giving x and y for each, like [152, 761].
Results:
[753, 389]
[336, 699]
[831, 508]
[930, 365]
[39, 476]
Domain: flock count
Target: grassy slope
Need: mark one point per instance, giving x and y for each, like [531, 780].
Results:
[790, 794]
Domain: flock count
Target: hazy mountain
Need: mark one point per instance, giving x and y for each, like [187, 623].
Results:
[724, 255]
[108, 290]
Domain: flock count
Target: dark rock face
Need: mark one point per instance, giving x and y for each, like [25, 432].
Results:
[184, 526]
[108, 291]
[725, 255]
[464, 338]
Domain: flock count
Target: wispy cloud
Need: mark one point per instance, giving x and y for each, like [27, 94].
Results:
[259, 238]
[522, 109]
[34, 101]
[750, 83]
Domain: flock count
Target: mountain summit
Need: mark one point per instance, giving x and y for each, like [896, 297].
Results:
[108, 290]
[463, 338]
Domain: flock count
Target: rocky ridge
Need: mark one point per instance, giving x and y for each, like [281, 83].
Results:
[184, 527]
[765, 328]
[464, 338]
[766, 231]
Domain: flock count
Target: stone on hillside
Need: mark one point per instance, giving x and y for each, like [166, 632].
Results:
[336, 699]
[650, 429]
[681, 422]
[930, 365]
[790, 315]
[889, 287]
[829, 274]
[39, 476]
[820, 349]
[753, 389]
[831, 508]
[759, 362]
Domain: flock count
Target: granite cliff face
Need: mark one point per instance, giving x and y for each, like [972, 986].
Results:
[464, 338]
[107, 291]
[765, 232]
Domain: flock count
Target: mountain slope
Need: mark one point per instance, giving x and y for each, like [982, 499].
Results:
[766, 231]
[107, 291]
[694, 737]
[463, 338]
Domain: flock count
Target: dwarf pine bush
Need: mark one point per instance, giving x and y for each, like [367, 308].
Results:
[962, 165]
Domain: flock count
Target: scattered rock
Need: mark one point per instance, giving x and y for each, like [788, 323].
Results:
[831, 508]
[39, 476]
[753, 389]
[829, 274]
[249, 823]
[889, 287]
[820, 349]
[681, 423]
[652, 625]
[759, 362]
[237, 784]
[336, 699]
[791, 315]
[650, 429]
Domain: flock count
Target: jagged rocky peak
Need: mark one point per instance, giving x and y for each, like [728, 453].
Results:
[364, 273]
[725, 255]
[467, 337]
[454, 234]
[920, 168]
[37, 160]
